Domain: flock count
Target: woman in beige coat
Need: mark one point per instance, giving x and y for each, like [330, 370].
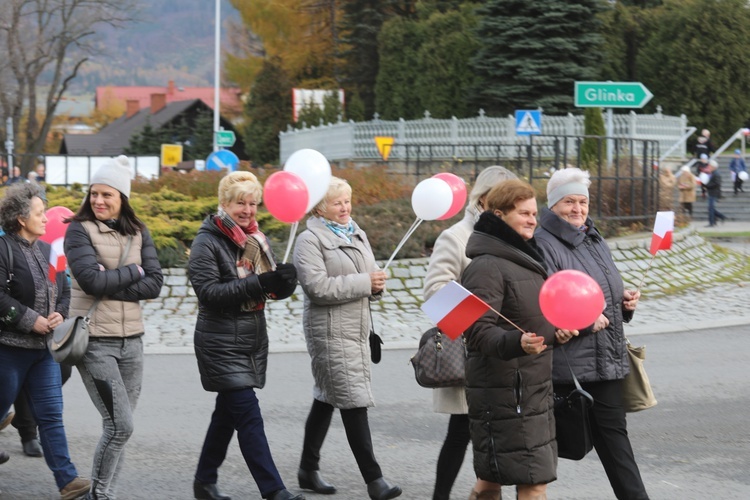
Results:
[686, 183]
[447, 262]
[339, 276]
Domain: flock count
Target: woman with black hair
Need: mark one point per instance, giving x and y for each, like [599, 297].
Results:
[112, 260]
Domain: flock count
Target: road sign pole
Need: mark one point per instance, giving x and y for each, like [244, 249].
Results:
[217, 68]
[610, 133]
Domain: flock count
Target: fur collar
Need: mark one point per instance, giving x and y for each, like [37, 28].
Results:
[493, 225]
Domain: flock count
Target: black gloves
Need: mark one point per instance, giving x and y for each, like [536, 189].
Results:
[273, 281]
[287, 272]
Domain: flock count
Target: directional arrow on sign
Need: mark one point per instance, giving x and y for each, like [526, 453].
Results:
[611, 95]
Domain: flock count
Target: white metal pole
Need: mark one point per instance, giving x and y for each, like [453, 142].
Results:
[610, 133]
[217, 68]
[9, 144]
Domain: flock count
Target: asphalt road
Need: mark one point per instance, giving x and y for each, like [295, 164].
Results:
[695, 444]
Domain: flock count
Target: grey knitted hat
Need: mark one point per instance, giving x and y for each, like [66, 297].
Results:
[115, 173]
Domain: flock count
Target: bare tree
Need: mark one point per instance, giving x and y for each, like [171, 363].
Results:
[43, 44]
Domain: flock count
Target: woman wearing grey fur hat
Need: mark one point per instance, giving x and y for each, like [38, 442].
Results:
[112, 259]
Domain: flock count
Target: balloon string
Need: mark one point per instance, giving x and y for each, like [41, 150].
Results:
[645, 272]
[292, 233]
[411, 230]
[509, 321]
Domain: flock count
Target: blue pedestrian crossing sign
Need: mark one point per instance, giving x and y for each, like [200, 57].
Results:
[528, 122]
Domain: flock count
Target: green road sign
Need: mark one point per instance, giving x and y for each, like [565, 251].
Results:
[225, 138]
[611, 95]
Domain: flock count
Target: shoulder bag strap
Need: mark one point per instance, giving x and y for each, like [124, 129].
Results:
[119, 264]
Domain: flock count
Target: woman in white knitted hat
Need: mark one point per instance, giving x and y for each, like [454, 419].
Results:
[112, 260]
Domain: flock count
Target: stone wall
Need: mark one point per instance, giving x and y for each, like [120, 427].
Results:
[692, 262]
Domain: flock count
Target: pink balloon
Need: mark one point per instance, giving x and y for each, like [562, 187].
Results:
[285, 196]
[571, 300]
[458, 187]
[55, 226]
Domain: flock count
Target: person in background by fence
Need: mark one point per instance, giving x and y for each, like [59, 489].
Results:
[713, 187]
[687, 183]
[737, 166]
[447, 262]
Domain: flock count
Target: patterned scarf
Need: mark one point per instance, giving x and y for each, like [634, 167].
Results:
[256, 257]
[342, 230]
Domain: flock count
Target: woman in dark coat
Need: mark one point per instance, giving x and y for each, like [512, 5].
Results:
[598, 356]
[233, 273]
[30, 309]
[509, 370]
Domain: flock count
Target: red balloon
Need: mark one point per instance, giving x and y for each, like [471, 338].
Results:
[285, 196]
[55, 226]
[571, 300]
[458, 187]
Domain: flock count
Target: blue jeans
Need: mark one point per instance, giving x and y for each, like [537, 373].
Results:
[112, 372]
[34, 372]
[712, 212]
[239, 410]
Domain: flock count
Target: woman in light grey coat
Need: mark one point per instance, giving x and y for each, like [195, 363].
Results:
[338, 274]
[447, 262]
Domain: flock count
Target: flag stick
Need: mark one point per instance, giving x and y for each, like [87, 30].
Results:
[411, 230]
[292, 234]
[645, 272]
[506, 319]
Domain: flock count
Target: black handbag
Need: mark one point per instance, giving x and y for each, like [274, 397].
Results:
[440, 361]
[572, 423]
[375, 341]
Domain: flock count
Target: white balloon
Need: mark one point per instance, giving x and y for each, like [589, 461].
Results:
[432, 198]
[704, 177]
[743, 176]
[314, 170]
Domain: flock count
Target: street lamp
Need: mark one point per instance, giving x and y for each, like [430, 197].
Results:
[217, 68]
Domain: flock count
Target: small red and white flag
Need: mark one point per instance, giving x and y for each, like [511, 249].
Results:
[663, 229]
[454, 309]
[57, 260]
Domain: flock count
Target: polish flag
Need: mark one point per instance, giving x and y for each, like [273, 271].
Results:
[663, 229]
[454, 309]
[57, 260]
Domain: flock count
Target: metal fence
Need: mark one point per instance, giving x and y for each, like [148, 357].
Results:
[462, 138]
[627, 189]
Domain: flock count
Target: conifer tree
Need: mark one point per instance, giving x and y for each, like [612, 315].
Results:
[531, 53]
[268, 111]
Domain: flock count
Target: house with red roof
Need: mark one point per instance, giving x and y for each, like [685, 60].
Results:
[133, 99]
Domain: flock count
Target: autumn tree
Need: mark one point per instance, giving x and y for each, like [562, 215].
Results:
[44, 44]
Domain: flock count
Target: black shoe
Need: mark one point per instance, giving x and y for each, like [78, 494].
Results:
[285, 495]
[312, 480]
[204, 491]
[381, 490]
[32, 448]
[4, 457]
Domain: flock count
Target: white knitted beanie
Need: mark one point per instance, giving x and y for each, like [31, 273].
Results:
[115, 173]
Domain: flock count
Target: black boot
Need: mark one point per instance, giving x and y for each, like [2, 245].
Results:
[285, 495]
[204, 491]
[381, 490]
[312, 480]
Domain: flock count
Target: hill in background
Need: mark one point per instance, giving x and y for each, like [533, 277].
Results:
[173, 41]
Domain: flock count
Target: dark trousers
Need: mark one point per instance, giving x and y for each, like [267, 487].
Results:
[611, 441]
[239, 410]
[23, 421]
[357, 430]
[713, 212]
[451, 456]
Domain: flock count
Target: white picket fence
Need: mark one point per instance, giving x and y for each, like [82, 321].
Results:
[355, 140]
